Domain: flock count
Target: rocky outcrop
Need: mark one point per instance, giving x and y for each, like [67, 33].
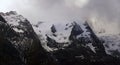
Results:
[53, 29]
[76, 30]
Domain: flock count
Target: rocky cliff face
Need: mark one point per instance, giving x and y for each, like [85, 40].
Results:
[8, 53]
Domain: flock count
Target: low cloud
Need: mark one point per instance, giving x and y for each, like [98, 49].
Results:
[103, 14]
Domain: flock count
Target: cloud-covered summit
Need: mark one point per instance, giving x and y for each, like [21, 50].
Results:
[104, 14]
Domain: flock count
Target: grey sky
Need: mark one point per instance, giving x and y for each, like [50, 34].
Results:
[103, 13]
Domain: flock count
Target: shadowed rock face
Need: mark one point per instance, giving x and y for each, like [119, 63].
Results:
[76, 30]
[9, 54]
[53, 29]
[2, 19]
[98, 44]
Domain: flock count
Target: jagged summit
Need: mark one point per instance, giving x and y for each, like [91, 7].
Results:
[14, 20]
[60, 37]
[76, 30]
[8, 13]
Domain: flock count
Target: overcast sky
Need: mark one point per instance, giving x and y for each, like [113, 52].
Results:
[102, 13]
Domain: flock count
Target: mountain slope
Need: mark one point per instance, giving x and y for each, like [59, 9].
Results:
[111, 44]
[18, 30]
[79, 46]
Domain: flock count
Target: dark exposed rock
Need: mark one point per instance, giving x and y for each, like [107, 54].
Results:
[99, 48]
[53, 29]
[76, 30]
[2, 19]
[8, 53]
[52, 43]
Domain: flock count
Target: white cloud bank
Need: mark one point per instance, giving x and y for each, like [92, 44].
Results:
[104, 14]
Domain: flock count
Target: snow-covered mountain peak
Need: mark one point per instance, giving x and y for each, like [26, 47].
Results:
[8, 13]
[58, 31]
[63, 34]
[14, 20]
[61, 30]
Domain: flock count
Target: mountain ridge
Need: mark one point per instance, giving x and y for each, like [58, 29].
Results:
[71, 44]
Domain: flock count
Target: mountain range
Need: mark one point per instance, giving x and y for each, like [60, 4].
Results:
[73, 43]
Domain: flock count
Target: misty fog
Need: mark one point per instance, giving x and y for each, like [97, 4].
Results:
[103, 14]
